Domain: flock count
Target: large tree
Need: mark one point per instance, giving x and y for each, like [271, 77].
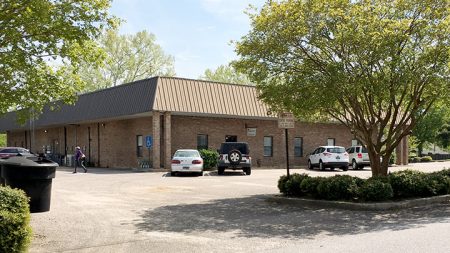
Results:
[35, 38]
[225, 74]
[128, 58]
[428, 127]
[443, 136]
[2, 140]
[376, 66]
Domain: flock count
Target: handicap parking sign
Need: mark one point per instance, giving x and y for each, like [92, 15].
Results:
[148, 141]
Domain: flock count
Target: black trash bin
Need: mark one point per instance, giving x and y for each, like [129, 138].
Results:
[2, 180]
[33, 175]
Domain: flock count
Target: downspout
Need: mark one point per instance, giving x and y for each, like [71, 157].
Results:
[65, 142]
[89, 144]
[98, 144]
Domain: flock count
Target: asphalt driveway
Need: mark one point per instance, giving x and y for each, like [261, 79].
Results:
[123, 211]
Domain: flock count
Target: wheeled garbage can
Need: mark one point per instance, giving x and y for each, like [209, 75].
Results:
[34, 176]
[2, 180]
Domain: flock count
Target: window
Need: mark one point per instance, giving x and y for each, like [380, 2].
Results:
[268, 145]
[202, 141]
[230, 138]
[336, 150]
[139, 147]
[331, 141]
[298, 146]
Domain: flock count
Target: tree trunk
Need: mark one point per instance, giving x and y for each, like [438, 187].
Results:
[379, 166]
[419, 149]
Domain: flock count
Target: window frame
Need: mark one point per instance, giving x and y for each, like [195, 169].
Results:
[298, 147]
[199, 146]
[139, 146]
[271, 146]
[334, 141]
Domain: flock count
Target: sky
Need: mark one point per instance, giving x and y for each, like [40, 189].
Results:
[197, 33]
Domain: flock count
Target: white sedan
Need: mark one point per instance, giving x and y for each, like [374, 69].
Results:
[187, 161]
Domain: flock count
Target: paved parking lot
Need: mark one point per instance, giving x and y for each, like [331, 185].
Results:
[124, 211]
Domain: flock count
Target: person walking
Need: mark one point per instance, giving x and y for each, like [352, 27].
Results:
[79, 159]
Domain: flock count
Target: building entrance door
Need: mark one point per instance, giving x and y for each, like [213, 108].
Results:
[230, 138]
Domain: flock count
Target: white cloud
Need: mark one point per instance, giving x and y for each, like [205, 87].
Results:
[205, 28]
[229, 9]
[186, 55]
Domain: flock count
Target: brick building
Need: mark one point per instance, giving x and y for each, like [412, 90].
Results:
[111, 126]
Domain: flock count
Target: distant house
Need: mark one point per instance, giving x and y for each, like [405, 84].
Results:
[113, 126]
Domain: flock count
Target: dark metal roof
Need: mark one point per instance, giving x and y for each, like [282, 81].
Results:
[123, 100]
[173, 94]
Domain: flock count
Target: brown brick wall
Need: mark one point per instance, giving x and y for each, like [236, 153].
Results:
[185, 130]
[118, 138]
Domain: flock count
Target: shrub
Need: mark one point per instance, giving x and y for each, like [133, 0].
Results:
[290, 186]
[437, 183]
[293, 184]
[411, 158]
[282, 184]
[376, 189]
[426, 159]
[444, 172]
[210, 158]
[15, 229]
[416, 159]
[309, 186]
[338, 188]
[408, 183]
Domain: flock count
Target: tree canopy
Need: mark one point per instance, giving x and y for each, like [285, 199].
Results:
[225, 74]
[128, 58]
[427, 128]
[36, 37]
[2, 140]
[443, 135]
[376, 66]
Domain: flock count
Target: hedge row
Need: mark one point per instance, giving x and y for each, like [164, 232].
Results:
[15, 229]
[417, 159]
[397, 185]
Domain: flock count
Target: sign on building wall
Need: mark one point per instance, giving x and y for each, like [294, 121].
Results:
[148, 141]
[251, 131]
[286, 120]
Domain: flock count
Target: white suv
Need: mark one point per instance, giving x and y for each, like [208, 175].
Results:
[328, 157]
[358, 157]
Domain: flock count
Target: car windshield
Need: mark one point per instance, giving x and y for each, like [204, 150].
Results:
[336, 150]
[227, 147]
[186, 153]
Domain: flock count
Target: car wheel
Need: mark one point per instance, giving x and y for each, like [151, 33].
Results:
[200, 174]
[332, 168]
[173, 173]
[248, 171]
[361, 167]
[235, 157]
[354, 164]
[220, 170]
[345, 168]
[310, 166]
[321, 167]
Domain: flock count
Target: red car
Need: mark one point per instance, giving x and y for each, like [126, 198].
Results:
[13, 151]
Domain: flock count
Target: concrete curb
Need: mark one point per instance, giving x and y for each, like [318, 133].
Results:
[378, 206]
